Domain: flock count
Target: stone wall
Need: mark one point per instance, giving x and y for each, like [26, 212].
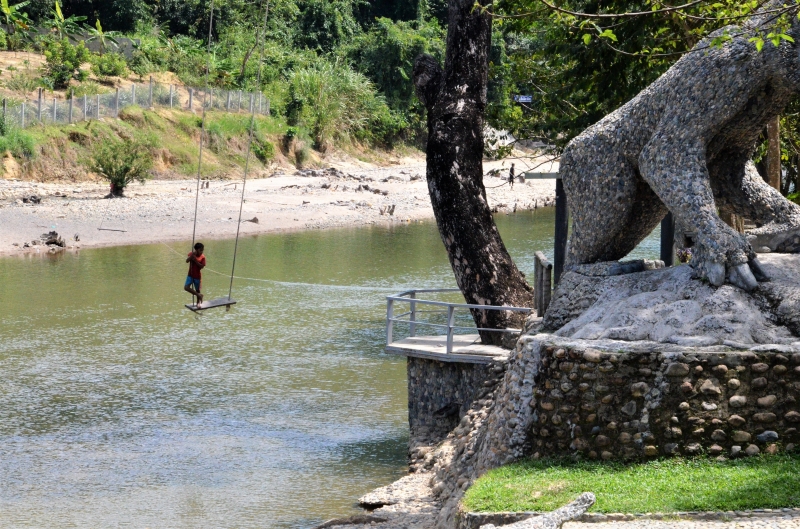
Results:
[651, 402]
[440, 393]
[619, 400]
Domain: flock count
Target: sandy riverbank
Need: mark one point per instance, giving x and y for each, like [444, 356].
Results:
[343, 195]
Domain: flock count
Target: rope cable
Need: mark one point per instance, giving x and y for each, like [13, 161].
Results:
[249, 146]
[203, 121]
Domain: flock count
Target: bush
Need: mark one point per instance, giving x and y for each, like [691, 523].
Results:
[64, 61]
[122, 162]
[18, 142]
[22, 82]
[333, 101]
[109, 64]
[89, 88]
[263, 149]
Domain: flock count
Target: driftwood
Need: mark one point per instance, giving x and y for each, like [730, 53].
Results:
[555, 519]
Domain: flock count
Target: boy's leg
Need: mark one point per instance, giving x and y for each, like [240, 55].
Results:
[192, 286]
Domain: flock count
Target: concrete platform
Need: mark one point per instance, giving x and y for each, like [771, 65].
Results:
[467, 348]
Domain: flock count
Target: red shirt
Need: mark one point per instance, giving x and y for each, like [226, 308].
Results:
[194, 269]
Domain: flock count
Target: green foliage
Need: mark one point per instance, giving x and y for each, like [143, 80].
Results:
[3, 40]
[263, 149]
[578, 70]
[122, 162]
[671, 485]
[333, 102]
[22, 82]
[64, 27]
[386, 55]
[15, 141]
[64, 60]
[325, 24]
[88, 88]
[105, 38]
[109, 64]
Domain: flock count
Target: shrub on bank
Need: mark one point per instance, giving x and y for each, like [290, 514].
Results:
[64, 61]
[122, 162]
[109, 64]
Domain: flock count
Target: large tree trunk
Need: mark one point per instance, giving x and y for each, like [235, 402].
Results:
[455, 100]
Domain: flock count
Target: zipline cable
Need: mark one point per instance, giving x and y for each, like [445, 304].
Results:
[249, 145]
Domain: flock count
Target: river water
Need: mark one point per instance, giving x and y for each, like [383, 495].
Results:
[120, 408]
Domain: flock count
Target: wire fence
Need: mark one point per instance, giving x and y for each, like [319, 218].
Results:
[54, 110]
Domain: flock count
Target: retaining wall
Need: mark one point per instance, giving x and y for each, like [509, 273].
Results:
[649, 403]
[440, 393]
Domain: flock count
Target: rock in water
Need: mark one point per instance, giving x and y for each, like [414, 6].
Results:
[555, 519]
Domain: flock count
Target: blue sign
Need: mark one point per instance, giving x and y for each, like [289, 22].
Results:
[523, 99]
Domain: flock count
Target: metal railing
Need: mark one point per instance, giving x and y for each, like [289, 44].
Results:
[444, 307]
[43, 109]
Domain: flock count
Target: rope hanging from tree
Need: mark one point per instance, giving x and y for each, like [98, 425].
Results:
[249, 145]
[222, 301]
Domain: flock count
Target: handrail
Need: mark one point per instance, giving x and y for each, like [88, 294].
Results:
[410, 296]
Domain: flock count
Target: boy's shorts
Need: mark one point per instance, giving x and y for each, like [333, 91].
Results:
[192, 282]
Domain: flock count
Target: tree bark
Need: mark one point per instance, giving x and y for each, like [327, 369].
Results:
[455, 99]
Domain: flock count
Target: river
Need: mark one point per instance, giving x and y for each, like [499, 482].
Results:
[120, 408]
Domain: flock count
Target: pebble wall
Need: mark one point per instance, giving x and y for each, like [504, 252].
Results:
[625, 405]
[440, 393]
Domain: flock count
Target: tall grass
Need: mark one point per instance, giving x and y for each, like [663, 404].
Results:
[333, 102]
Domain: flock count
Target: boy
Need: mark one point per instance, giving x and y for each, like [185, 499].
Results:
[197, 261]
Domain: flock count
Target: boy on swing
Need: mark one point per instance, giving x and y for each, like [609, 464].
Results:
[197, 261]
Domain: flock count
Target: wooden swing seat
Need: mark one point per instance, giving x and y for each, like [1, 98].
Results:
[213, 304]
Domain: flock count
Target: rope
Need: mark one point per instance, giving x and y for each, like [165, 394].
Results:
[249, 147]
[203, 123]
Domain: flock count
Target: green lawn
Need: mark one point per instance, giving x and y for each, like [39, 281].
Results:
[670, 485]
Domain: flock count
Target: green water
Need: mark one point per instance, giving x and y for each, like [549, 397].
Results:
[120, 408]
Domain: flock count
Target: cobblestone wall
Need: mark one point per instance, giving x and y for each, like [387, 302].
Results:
[645, 404]
[440, 393]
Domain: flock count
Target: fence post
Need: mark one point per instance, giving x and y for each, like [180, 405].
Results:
[150, 97]
[191, 98]
[39, 109]
[228, 102]
[22, 116]
[69, 112]
[4, 110]
[412, 328]
[547, 286]
[239, 102]
[252, 101]
[561, 230]
[133, 94]
[260, 97]
[97, 110]
[85, 109]
[210, 99]
[537, 274]
[450, 322]
[389, 322]
[116, 105]
[171, 93]
[267, 109]
[55, 110]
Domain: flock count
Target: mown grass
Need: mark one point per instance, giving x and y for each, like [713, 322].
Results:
[671, 485]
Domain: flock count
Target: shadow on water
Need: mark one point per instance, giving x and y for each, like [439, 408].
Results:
[121, 408]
